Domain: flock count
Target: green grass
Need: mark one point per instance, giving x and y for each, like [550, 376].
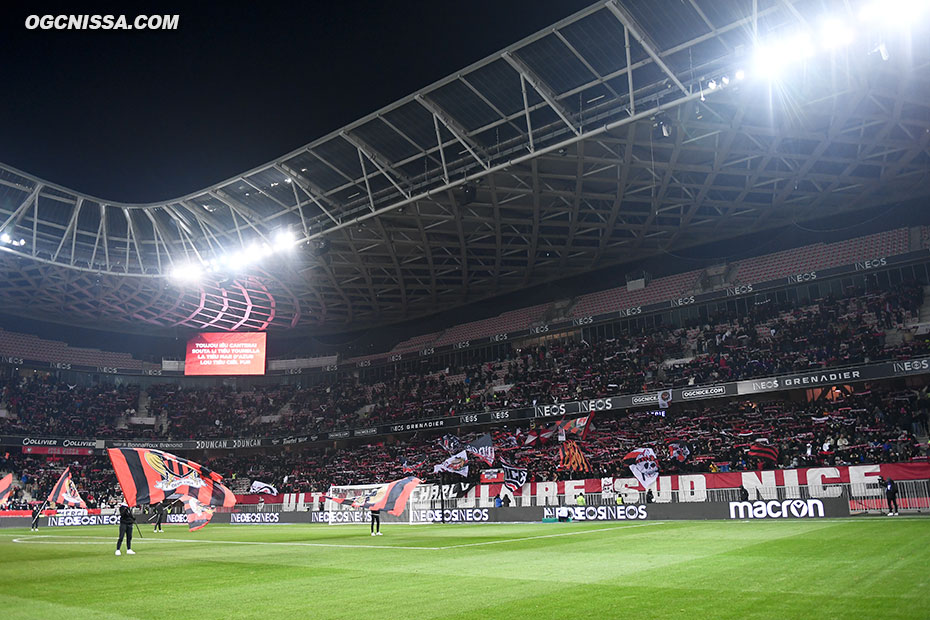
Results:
[858, 568]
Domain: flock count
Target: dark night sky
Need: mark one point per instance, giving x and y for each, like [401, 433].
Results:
[142, 116]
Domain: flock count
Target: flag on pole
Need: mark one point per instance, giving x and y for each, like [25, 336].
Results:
[578, 426]
[65, 493]
[679, 451]
[483, 448]
[149, 476]
[665, 399]
[571, 457]
[644, 465]
[392, 496]
[262, 488]
[198, 515]
[514, 477]
[6, 488]
[765, 452]
[450, 443]
[455, 464]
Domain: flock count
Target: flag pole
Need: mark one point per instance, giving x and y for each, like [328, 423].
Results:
[35, 523]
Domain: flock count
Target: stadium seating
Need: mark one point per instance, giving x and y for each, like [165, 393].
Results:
[773, 339]
[866, 427]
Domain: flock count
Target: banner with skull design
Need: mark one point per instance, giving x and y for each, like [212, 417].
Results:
[644, 465]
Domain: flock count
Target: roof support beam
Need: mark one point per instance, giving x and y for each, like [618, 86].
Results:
[460, 133]
[71, 227]
[380, 162]
[18, 213]
[644, 40]
[542, 88]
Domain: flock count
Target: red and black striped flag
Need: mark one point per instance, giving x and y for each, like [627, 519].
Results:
[393, 496]
[65, 493]
[765, 452]
[571, 457]
[6, 488]
[150, 476]
[198, 515]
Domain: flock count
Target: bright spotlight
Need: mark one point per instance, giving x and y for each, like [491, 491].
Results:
[773, 57]
[284, 240]
[712, 85]
[899, 13]
[740, 74]
[5, 238]
[725, 80]
[834, 34]
[237, 260]
[187, 273]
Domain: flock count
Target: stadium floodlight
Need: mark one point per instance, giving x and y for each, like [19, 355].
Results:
[188, 273]
[712, 85]
[725, 80]
[740, 74]
[5, 238]
[899, 13]
[284, 240]
[773, 57]
[835, 34]
[237, 260]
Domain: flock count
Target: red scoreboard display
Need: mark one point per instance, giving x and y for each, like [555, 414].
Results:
[226, 353]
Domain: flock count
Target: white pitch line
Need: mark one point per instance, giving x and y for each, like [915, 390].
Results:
[33, 540]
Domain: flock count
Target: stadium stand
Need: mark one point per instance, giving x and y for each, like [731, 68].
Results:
[32, 347]
[869, 426]
[772, 339]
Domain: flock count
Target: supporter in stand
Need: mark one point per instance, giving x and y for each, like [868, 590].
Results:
[772, 339]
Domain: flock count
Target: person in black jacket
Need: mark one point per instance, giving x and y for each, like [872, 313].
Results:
[743, 494]
[159, 516]
[376, 523]
[126, 521]
[36, 513]
[891, 494]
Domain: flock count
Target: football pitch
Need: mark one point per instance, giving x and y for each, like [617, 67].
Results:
[852, 568]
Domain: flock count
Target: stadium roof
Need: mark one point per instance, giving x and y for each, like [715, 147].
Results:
[597, 141]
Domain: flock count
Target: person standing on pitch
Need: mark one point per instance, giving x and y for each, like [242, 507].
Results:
[159, 516]
[376, 523]
[126, 521]
[891, 494]
[36, 513]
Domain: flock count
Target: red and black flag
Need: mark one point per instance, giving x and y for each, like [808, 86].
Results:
[578, 426]
[6, 488]
[150, 476]
[571, 457]
[393, 496]
[65, 493]
[198, 515]
[764, 452]
[483, 448]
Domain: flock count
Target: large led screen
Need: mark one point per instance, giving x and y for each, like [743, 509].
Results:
[226, 353]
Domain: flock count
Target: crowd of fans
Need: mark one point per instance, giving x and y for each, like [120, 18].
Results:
[771, 339]
[220, 411]
[849, 428]
[42, 406]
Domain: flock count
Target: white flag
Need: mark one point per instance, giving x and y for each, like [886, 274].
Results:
[644, 465]
[263, 488]
[665, 398]
[455, 464]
